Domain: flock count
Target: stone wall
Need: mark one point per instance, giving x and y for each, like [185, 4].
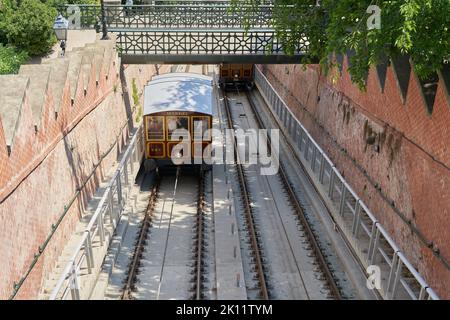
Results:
[69, 123]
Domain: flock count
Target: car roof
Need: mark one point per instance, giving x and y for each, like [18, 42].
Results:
[179, 92]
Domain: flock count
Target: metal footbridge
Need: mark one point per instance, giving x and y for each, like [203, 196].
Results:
[192, 32]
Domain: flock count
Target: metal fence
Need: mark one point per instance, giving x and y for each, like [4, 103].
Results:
[107, 215]
[371, 242]
[189, 33]
[195, 15]
[255, 42]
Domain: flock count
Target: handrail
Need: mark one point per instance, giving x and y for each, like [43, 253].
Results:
[168, 15]
[368, 250]
[206, 5]
[83, 251]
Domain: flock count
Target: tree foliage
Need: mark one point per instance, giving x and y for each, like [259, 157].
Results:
[11, 59]
[57, 3]
[418, 28]
[28, 25]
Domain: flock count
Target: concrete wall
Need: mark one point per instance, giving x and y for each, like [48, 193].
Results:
[395, 155]
[71, 150]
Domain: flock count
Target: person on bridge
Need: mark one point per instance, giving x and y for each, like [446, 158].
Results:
[63, 47]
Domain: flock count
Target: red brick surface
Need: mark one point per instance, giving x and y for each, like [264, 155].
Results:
[41, 175]
[408, 180]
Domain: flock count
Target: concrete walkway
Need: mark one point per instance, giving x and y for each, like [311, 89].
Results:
[75, 39]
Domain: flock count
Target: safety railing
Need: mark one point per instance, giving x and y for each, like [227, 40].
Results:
[373, 245]
[193, 15]
[106, 217]
[219, 41]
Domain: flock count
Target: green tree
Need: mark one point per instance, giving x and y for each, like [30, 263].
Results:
[6, 7]
[418, 28]
[56, 3]
[11, 59]
[30, 26]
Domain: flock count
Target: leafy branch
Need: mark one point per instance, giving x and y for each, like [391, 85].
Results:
[418, 28]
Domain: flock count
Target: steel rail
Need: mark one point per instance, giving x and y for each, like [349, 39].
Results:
[300, 213]
[137, 255]
[200, 222]
[247, 207]
[200, 237]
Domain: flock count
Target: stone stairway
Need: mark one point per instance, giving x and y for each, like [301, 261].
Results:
[12, 98]
[80, 70]
[42, 88]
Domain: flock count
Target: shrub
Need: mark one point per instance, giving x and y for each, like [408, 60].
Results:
[135, 92]
[138, 114]
[30, 27]
[11, 59]
[6, 7]
[137, 105]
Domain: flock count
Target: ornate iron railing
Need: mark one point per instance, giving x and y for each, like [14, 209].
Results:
[168, 16]
[207, 46]
[157, 41]
[190, 33]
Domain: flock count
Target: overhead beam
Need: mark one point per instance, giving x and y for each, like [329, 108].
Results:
[203, 46]
[211, 59]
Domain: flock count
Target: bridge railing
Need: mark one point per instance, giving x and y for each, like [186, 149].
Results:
[202, 41]
[106, 217]
[189, 33]
[168, 16]
[371, 242]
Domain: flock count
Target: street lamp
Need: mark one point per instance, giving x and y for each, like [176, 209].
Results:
[60, 28]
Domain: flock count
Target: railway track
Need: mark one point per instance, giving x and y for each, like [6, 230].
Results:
[312, 238]
[256, 246]
[140, 245]
[164, 264]
[322, 273]
[172, 261]
[347, 287]
[165, 219]
[200, 239]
